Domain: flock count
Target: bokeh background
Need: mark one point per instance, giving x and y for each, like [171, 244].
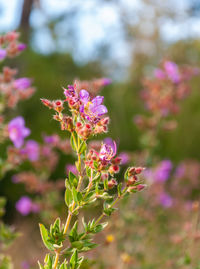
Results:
[124, 40]
[121, 39]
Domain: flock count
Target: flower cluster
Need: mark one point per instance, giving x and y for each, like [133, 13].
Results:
[162, 93]
[10, 46]
[12, 89]
[90, 112]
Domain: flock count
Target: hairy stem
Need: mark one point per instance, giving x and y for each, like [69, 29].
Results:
[69, 217]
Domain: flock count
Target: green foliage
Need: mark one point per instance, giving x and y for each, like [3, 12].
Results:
[53, 238]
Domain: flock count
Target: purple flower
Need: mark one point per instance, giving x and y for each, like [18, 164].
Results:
[165, 200]
[125, 158]
[15, 179]
[31, 149]
[159, 74]
[107, 81]
[92, 109]
[108, 150]
[25, 265]
[25, 206]
[71, 95]
[21, 47]
[3, 54]
[179, 172]
[17, 131]
[22, 83]
[172, 71]
[71, 168]
[51, 139]
[162, 172]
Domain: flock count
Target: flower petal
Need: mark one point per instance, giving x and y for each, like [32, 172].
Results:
[99, 110]
[84, 96]
[98, 100]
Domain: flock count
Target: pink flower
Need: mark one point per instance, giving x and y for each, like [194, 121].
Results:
[92, 110]
[21, 47]
[172, 71]
[17, 131]
[31, 149]
[25, 206]
[108, 150]
[22, 83]
[3, 54]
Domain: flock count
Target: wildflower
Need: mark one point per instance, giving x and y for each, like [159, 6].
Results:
[172, 71]
[108, 150]
[25, 206]
[159, 73]
[71, 96]
[179, 172]
[31, 149]
[3, 54]
[125, 158]
[22, 83]
[110, 238]
[21, 47]
[92, 110]
[17, 131]
[162, 172]
[165, 200]
[106, 81]
[51, 139]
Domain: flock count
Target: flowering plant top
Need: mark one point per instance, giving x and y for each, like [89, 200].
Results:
[94, 176]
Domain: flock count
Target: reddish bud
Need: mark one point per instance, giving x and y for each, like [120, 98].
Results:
[58, 105]
[112, 183]
[47, 103]
[78, 124]
[131, 181]
[141, 187]
[104, 176]
[138, 170]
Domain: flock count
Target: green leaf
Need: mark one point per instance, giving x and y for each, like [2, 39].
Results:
[74, 259]
[119, 189]
[82, 147]
[45, 236]
[109, 210]
[88, 171]
[73, 179]
[73, 141]
[77, 244]
[63, 265]
[98, 228]
[74, 193]
[68, 196]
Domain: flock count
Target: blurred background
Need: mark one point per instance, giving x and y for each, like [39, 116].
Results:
[124, 40]
[121, 39]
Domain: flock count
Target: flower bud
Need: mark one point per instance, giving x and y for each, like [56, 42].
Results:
[58, 105]
[138, 170]
[141, 187]
[47, 103]
[104, 176]
[131, 181]
[112, 183]
[113, 169]
[56, 117]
